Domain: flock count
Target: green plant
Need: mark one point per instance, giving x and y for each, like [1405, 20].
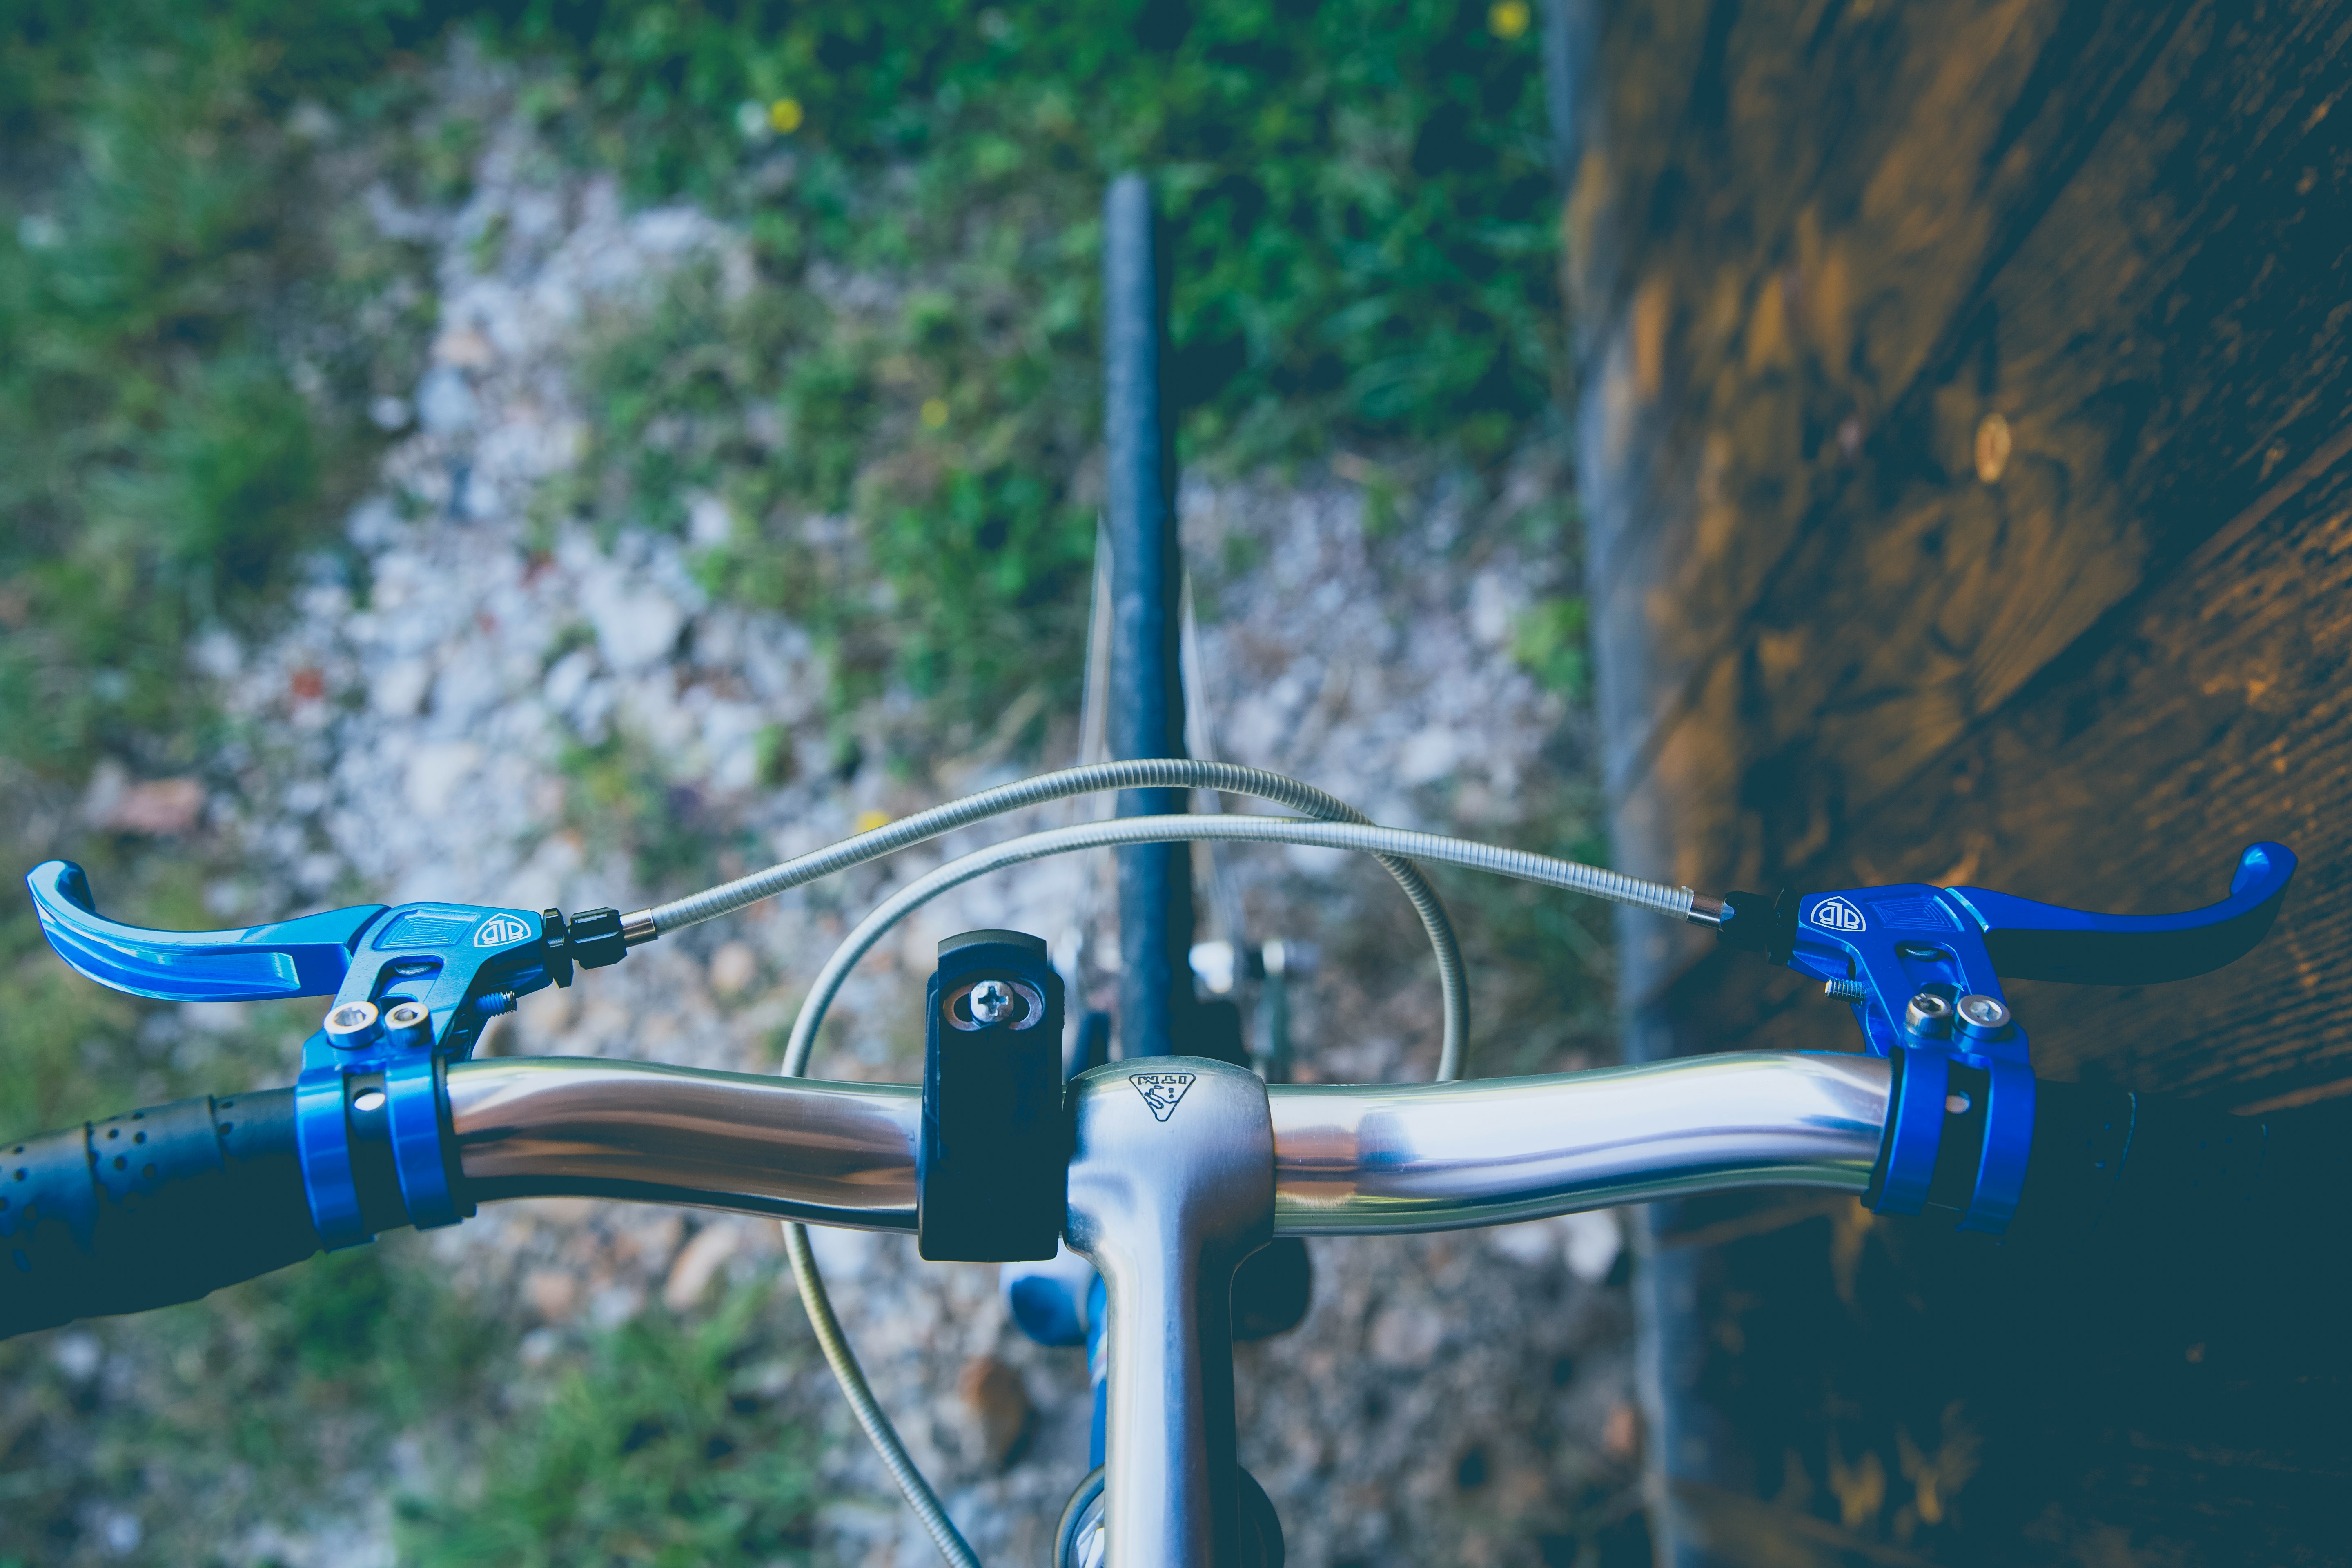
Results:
[167, 468]
[1359, 208]
[1550, 640]
[653, 1451]
[1361, 227]
[284, 1381]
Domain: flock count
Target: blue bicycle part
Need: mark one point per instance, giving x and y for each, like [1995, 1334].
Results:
[367, 1104]
[306, 957]
[1923, 967]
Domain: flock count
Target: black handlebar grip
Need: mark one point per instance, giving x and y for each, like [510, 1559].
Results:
[2136, 1166]
[145, 1210]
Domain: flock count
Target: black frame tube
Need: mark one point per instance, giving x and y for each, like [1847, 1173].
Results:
[1147, 707]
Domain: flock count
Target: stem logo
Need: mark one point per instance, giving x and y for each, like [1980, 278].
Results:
[1837, 914]
[500, 930]
[1163, 1091]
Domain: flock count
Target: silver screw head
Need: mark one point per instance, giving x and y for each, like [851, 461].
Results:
[354, 1026]
[1927, 1013]
[991, 1001]
[1982, 1013]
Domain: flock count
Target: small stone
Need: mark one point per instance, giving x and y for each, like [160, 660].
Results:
[444, 402]
[635, 629]
[160, 808]
[552, 1293]
[1406, 1334]
[708, 521]
[1620, 1435]
[998, 1405]
[435, 770]
[397, 690]
[733, 968]
[78, 1355]
[1591, 1241]
[1535, 1243]
[464, 348]
[1428, 756]
[121, 1531]
[697, 1263]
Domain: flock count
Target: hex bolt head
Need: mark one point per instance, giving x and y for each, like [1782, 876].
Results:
[1928, 1014]
[353, 1026]
[1982, 1015]
[409, 1025]
[991, 1002]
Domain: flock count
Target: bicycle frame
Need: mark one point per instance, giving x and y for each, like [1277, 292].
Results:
[1167, 1196]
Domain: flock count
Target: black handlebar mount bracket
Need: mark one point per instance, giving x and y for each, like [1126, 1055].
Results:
[991, 1166]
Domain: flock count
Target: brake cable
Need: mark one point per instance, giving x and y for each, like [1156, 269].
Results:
[1352, 831]
[1142, 773]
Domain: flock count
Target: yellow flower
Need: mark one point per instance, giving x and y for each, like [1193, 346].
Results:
[785, 115]
[1507, 18]
[870, 819]
[935, 412]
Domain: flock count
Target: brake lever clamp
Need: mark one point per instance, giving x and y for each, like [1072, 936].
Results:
[414, 985]
[1922, 966]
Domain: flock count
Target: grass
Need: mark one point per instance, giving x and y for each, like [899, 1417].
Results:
[1360, 208]
[180, 431]
[617, 795]
[667, 1440]
[653, 1448]
[1359, 226]
[175, 1418]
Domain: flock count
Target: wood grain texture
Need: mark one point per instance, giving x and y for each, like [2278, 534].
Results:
[1818, 249]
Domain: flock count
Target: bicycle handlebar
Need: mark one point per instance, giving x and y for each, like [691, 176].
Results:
[788, 1148]
[166, 1204]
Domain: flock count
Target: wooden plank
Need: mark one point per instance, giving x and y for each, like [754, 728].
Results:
[1765, 595]
[1819, 249]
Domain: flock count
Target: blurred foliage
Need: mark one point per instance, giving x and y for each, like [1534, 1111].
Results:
[1358, 218]
[174, 438]
[618, 795]
[1359, 208]
[278, 1385]
[655, 1451]
[1550, 640]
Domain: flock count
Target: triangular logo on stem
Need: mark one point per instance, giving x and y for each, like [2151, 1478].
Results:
[1163, 1091]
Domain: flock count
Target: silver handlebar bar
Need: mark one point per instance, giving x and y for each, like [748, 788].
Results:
[1348, 1160]
[1166, 1198]
[789, 1148]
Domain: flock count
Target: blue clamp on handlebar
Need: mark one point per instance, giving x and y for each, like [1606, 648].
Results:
[462, 963]
[1923, 966]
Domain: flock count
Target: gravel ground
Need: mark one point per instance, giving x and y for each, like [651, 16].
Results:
[1460, 1398]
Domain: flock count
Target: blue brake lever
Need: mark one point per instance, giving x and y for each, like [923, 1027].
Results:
[2031, 941]
[305, 957]
[1923, 967]
[457, 966]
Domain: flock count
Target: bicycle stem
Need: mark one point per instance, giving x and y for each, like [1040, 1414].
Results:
[1181, 1167]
